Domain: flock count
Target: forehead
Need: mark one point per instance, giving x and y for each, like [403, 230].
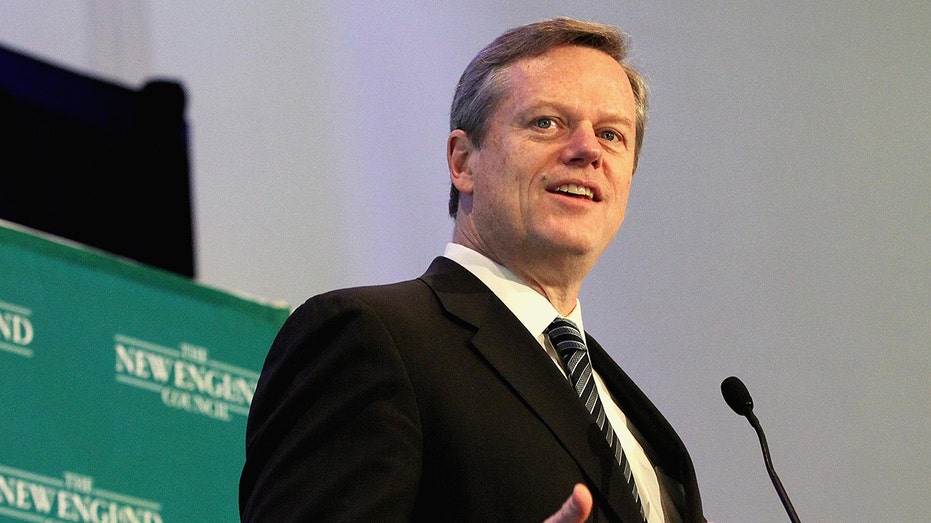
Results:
[572, 76]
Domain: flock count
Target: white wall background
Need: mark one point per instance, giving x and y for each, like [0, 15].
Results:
[778, 226]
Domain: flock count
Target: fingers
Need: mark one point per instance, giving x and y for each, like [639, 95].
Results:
[577, 507]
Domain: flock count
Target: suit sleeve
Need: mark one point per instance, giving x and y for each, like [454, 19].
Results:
[333, 432]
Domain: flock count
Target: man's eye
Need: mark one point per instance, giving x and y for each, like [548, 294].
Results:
[611, 136]
[544, 123]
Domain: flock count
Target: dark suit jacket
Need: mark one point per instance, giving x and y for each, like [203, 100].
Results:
[428, 400]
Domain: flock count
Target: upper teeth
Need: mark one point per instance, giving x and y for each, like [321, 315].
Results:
[572, 188]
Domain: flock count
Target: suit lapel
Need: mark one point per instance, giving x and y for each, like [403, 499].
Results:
[667, 453]
[518, 359]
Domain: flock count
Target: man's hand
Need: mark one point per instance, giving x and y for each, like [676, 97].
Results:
[576, 508]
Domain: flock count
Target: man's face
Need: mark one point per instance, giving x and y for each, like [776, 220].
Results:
[552, 176]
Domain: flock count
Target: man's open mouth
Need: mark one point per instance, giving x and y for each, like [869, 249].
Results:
[572, 189]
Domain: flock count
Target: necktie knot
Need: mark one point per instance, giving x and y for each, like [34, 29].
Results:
[566, 337]
[569, 344]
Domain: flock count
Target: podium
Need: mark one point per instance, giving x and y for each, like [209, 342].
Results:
[124, 389]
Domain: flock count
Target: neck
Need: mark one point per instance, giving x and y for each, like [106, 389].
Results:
[560, 291]
[558, 279]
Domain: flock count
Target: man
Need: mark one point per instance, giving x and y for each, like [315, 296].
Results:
[443, 398]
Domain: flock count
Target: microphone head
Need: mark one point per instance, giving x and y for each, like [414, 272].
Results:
[737, 396]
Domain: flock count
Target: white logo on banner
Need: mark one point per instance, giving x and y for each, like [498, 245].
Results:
[185, 378]
[16, 332]
[32, 497]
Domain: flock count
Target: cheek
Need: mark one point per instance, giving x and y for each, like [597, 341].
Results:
[621, 183]
[625, 190]
[499, 179]
[621, 196]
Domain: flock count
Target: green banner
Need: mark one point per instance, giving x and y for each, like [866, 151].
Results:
[125, 389]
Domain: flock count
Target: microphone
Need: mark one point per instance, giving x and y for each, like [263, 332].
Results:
[738, 398]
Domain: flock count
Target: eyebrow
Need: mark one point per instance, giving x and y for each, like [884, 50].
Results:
[624, 121]
[612, 116]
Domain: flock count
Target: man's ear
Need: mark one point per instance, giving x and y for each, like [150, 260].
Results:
[459, 151]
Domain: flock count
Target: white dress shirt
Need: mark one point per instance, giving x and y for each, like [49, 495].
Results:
[536, 313]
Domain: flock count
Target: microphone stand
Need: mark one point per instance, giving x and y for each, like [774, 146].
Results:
[780, 490]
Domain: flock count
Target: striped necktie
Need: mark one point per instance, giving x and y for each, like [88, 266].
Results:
[568, 342]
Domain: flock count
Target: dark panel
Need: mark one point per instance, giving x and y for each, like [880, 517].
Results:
[95, 162]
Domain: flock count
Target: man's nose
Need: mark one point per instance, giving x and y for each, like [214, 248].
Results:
[583, 147]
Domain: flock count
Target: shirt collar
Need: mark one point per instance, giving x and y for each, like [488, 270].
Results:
[533, 310]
